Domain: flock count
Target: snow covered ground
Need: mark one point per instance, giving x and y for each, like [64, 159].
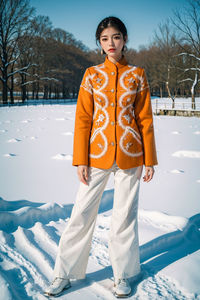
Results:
[38, 187]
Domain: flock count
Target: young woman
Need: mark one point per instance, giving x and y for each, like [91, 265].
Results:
[113, 133]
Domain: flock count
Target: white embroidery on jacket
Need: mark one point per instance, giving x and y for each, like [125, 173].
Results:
[100, 119]
[142, 85]
[100, 145]
[104, 115]
[86, 83]
[127, 118]
[127, 129]
[127, 110]
[99, 80]
[128, 145]
[131, 109]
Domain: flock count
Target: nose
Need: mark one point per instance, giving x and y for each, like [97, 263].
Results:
[111, 42]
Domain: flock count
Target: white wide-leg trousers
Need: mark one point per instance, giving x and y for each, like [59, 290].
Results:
[75, 242]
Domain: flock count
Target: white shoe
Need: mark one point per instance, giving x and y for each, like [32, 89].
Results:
[57, 286]
[122, 288]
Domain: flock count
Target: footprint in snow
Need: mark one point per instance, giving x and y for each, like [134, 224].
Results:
[176, 132]
[61, 119]
[26, 121]
[62, 156]
[64, 119]
[3, 130]
[43, 119]
[176, 171]
[67, 133]
[13, 140]
[10, 154]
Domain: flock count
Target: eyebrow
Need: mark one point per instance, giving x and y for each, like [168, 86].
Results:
[113, 34]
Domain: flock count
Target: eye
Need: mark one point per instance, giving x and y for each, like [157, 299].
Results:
[104, 39]
[117, 37]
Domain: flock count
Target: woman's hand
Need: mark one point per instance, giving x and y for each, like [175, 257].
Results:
[82, 171]
[149, 171]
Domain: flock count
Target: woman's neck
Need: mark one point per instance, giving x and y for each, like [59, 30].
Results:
[114, 60]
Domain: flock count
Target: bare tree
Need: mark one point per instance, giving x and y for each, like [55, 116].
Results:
[41, 31]
[68, 38]
[14, 17]
[187, 22]
[190, 71]
[165, 40]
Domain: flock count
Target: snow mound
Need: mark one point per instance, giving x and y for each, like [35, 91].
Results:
[30, 234]
[162, 220]
[187, 153]
[27, 216]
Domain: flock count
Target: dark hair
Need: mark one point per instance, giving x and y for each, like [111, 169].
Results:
[110, 22]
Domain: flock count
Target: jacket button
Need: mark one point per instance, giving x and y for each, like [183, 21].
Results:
[112, 90]
[112, 143]
[112, 73]
[112, 123]
[112, 104]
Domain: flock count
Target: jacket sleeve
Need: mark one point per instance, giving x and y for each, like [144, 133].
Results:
[144, 119]
[83, 121]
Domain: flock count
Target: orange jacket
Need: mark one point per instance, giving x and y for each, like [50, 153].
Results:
[114, 118]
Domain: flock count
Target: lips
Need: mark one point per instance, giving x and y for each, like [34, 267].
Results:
[111, 49]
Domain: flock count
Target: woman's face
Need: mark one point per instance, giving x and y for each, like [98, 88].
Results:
[112, 38]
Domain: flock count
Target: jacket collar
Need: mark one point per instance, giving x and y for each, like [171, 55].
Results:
[119, 64]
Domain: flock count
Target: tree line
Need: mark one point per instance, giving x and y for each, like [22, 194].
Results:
[37, 58]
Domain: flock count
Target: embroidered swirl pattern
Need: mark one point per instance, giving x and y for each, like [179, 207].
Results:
[103, 116]
[126, 115]
[125, 108]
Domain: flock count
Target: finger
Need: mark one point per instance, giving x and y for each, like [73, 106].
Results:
[83, 179]
[80, 175]
[150, 176]
[86, 173]
[147, 176]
